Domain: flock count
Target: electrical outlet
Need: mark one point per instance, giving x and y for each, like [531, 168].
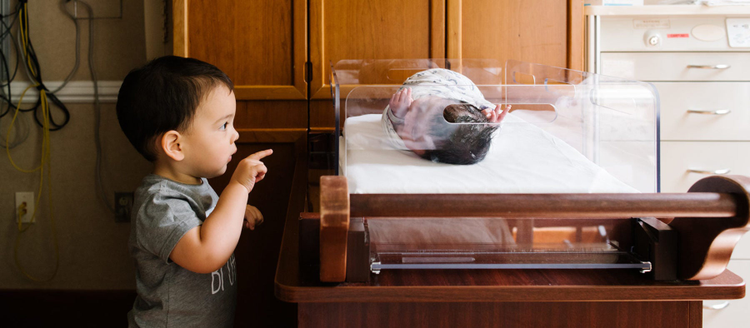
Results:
[24, 207]
[123, 206]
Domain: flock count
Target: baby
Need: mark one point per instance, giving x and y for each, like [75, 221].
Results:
[441, 116]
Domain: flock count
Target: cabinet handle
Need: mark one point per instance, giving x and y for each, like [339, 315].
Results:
[717, 306]
[710, 112]
[721, 171]
[719, 66]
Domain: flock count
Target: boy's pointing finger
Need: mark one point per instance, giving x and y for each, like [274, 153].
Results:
[261, 154]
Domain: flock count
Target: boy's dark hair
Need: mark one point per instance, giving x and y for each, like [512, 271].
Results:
[162, 96]
[460, 143]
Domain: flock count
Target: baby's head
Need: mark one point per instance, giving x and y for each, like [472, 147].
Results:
[466, 142]
[164, 96]
[441, 130]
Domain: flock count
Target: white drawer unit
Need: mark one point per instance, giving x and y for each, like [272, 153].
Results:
[698, 58]
[699, 61]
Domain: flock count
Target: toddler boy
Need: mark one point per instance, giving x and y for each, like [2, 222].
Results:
[178, 113]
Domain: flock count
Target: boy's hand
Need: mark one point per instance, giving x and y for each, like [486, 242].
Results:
[253, 217]
[251, 170]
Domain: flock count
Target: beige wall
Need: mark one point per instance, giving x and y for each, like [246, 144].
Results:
[92, 246]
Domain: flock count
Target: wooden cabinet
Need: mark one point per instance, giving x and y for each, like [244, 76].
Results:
[372, 30]
[261, 45]
[547, 32]
[266, 47]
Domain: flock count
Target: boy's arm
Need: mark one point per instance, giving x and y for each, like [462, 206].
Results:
[207, 247]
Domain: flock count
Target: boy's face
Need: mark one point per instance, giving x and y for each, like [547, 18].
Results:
[209, 141]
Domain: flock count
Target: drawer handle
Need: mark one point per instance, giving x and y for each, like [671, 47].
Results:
[722, 171]
[719, 66]
[717, 306]
[710, 112]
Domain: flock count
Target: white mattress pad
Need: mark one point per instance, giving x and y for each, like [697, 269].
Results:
[523, 158]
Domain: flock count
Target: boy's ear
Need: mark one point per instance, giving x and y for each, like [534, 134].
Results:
[170, 145]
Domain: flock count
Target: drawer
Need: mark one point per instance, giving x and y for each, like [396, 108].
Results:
[620, 33]
[675, 66]
[677, 158]
[720, 110]
[735, 314]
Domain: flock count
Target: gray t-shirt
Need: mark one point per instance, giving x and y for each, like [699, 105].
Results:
[169, 295]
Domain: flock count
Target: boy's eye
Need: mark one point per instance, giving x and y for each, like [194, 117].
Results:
[224, 126]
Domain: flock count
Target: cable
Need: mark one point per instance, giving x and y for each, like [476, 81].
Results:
[5, 34]
[97, 114]
[45, 161]
[33, 70]
[78, 46]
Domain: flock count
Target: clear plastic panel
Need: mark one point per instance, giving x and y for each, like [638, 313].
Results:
[496, 243]
[437, 125]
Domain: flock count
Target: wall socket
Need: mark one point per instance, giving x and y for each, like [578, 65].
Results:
[25, 207]
[123, 206]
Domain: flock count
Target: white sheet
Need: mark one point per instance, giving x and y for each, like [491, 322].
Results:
[522, 159]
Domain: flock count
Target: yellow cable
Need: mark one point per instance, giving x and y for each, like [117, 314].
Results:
[46, 159]
[10, 128]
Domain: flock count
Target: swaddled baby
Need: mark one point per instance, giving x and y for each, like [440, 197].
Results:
[441, 116]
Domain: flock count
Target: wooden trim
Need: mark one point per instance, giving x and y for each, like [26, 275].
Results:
[299, 49]
[706, 245]
[271, 135]
[334, 227]
[573, 206]
[317, 53]
[453, 29]
[575, 35]
[642, 314]
[322, 130]
[180, 27]
[269, 92]
[695, 312]
[437, 29]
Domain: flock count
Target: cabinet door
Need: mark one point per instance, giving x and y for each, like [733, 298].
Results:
[546, 32]
[261, 45]
[384, 29]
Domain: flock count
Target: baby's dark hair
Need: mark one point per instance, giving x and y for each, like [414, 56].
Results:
[461, 144]
[162, 96]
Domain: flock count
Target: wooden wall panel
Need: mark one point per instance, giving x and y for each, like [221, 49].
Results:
[531, 31]
[497, 314]
[257, 250]
[322, 118]
[229, 33]
[271, 114]
[386, 29]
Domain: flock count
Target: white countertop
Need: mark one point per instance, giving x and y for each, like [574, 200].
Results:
[666, 10]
